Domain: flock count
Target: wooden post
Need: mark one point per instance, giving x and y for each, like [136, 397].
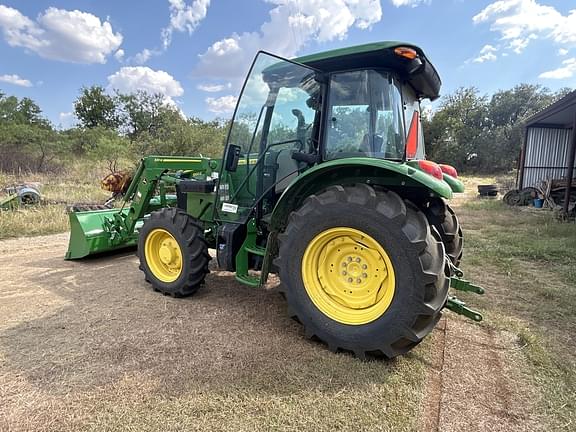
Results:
[522, 161]
[570, 173]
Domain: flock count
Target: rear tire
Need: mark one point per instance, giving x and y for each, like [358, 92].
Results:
[415, 253]
[173, 252]
[442, 217]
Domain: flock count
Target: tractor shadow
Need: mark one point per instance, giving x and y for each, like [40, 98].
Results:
[227, 337]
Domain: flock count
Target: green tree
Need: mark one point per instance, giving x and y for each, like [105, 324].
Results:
[8, 109]
[112, 148]
[458, 130]
[94, 108]
[30, 113]
[156, 127]
[21, 111]
[177, 135]
[29, 147]
[474, 132]
[507, 110]
[140, 113]
[86, 141]
[27, 140]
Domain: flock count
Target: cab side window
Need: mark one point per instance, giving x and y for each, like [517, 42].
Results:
[348, 116]
[365, 116]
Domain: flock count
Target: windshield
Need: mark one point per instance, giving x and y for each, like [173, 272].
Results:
[365, 116]
[274, 117]
[288, 89]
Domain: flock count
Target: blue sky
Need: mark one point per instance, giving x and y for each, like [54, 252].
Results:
[196, 52]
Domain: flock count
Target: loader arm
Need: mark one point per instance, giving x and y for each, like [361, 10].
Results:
[105, 230]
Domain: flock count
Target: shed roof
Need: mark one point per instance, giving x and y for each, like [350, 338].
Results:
[560, 114]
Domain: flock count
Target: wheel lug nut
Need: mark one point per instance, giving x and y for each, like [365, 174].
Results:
[358, 259]
[344, 273]
[364, 266]
[350, 280]
[359, 280]
[364, 275]
[349, 259]
[344, 264]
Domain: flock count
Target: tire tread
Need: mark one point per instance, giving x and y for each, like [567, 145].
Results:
[424, 238]
[191, 233]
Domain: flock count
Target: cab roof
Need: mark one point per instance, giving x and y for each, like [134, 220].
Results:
[380, 55]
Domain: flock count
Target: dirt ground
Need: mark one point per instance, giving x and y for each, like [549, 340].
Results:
[87, 345]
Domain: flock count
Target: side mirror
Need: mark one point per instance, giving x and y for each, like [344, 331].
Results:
[232, 157]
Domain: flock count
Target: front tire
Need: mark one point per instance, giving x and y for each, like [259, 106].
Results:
[378, 230]
[442, 217]
[173, 252]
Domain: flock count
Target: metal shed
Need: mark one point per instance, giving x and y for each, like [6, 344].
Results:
[550, 145]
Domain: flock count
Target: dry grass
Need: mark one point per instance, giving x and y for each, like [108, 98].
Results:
[32, 221]
[77, 353]
[485, 386]
[505, 182]
[88, 346]
[527, 262]
[79, 185]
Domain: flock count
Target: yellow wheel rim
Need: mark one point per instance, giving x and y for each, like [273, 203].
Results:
[348, 276]
[163, 255]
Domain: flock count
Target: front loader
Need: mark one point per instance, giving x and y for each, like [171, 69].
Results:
[324, 182]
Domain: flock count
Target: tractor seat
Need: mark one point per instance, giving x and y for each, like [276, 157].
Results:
[287, 169]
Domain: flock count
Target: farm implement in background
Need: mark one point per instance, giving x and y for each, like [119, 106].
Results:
[20, 196]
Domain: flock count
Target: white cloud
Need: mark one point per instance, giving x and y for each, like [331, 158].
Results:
[520, 21]
[132, 78]
[291, 25]
[58, 34]
[142, 57]
[221, 105]
[15, 80]
[566, 30]
[520, 44]
[66, 120]
[184, 17]
[213, 88]
[563, 51]
[411, 3]
[486, 54]
[566, 71]
[119, 55]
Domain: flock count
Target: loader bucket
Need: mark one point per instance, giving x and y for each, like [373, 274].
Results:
[88, 237]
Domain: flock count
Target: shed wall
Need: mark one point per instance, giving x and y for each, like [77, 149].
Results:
[546, 155]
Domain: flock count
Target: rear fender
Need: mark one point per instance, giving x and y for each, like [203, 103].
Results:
[397, 176]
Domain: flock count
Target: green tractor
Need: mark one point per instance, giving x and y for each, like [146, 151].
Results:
[324, 182]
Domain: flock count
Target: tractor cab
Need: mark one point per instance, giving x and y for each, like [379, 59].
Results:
[360, 102]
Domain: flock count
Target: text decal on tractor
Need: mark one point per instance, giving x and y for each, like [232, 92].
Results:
[323, 181]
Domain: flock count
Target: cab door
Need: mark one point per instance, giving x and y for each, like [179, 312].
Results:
[273, 119]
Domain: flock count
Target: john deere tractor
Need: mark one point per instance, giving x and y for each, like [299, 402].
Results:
[323, 181]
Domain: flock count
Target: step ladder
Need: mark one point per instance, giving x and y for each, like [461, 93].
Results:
[249, 247]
